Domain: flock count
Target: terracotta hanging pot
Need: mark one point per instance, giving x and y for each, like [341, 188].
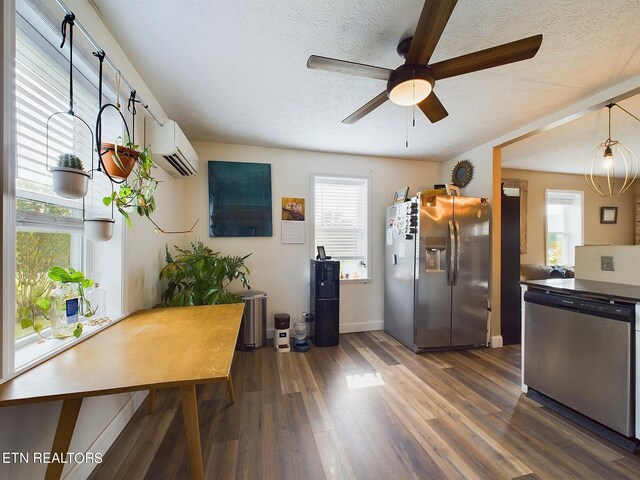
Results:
[119, 166]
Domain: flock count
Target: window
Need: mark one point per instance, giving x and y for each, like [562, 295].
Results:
[49, 229]
[341, 216]
[38, 247]
[564, 225]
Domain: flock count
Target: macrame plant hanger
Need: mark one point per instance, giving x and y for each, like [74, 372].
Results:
[77, 123]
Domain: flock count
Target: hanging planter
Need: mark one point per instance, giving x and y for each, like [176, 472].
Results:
[69, 178]
[99, 229]
[69, 182]
[117, 160]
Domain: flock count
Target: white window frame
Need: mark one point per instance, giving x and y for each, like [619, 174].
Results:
[8, 171]
[7, 201]
[369, 241]
[579, 193]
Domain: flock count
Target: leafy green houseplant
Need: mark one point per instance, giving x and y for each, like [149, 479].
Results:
[69, 178]
[200, 276]
[51, 303]
[137, 192]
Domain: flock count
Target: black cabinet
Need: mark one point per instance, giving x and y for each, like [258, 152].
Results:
[325, 302]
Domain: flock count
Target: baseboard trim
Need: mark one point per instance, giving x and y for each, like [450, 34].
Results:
[108, 435]
[347, 328]
[361, 327]
[496, 341]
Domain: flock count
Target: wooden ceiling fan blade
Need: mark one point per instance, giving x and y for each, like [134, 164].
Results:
[489, 58]
[433, 108]
[434, 17]
[350, 68]
[367, 108]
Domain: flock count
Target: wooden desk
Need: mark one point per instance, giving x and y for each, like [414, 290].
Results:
[156, 348]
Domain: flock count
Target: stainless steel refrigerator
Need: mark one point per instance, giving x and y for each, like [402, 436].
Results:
[437, 272]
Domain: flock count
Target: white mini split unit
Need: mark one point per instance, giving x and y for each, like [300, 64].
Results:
[172, 151]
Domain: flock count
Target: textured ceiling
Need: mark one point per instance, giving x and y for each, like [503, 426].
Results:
[566, 148]
[235, 71]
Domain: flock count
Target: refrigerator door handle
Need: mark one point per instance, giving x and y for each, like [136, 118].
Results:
[451, 241]
[456, 270]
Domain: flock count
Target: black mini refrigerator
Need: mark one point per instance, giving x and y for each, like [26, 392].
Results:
[325, 302]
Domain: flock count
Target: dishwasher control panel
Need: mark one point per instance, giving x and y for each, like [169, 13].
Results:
[600, 308]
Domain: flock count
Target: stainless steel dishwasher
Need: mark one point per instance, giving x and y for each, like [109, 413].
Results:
[578, 352]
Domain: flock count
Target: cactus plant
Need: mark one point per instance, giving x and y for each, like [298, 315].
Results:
[69, 179]
[69, 160]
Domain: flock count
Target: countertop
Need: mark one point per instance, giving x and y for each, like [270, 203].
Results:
[610, 290]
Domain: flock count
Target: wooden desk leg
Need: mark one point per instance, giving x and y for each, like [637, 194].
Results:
[190, 414]
[232, 395]
[152, 401]
[64, 432]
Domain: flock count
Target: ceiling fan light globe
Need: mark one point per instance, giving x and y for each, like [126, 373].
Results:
[410, 84]
[410, 92]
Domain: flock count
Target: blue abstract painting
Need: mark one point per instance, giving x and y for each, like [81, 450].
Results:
[239, 199]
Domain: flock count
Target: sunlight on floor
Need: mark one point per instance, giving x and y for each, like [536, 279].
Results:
[364, 381]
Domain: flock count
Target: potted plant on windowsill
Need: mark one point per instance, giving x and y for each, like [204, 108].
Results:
[70, 180]
[53, 302]
[200, 276]
[137, 193]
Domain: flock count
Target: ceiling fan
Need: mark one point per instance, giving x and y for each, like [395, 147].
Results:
[413, 82]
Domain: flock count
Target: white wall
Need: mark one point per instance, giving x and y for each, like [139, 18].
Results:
[481, 158]
[31, 428]
[283, 270]
[626, 263]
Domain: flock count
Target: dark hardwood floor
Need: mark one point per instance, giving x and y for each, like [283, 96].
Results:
[367, 409]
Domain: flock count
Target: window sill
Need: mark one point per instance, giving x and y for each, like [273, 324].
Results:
[345, 281]
[32, 352]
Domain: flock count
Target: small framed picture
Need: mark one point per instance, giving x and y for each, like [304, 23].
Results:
[322, 255]
[453, 190]
[608, 214]
[401, 195]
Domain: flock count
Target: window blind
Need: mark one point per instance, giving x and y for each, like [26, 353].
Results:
[42, 88]
[341, 216]
[48, 221]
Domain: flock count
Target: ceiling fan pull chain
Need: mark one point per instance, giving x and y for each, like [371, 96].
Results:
[406, 128]
[413, 107]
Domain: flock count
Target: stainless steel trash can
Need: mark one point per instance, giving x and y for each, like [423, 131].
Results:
[253, 329]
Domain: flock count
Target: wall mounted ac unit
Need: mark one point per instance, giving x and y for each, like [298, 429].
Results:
[172, 151]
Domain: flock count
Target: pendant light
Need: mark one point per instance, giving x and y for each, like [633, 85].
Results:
[612, 167]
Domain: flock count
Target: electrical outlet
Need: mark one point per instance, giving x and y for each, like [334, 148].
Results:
[606, 264]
